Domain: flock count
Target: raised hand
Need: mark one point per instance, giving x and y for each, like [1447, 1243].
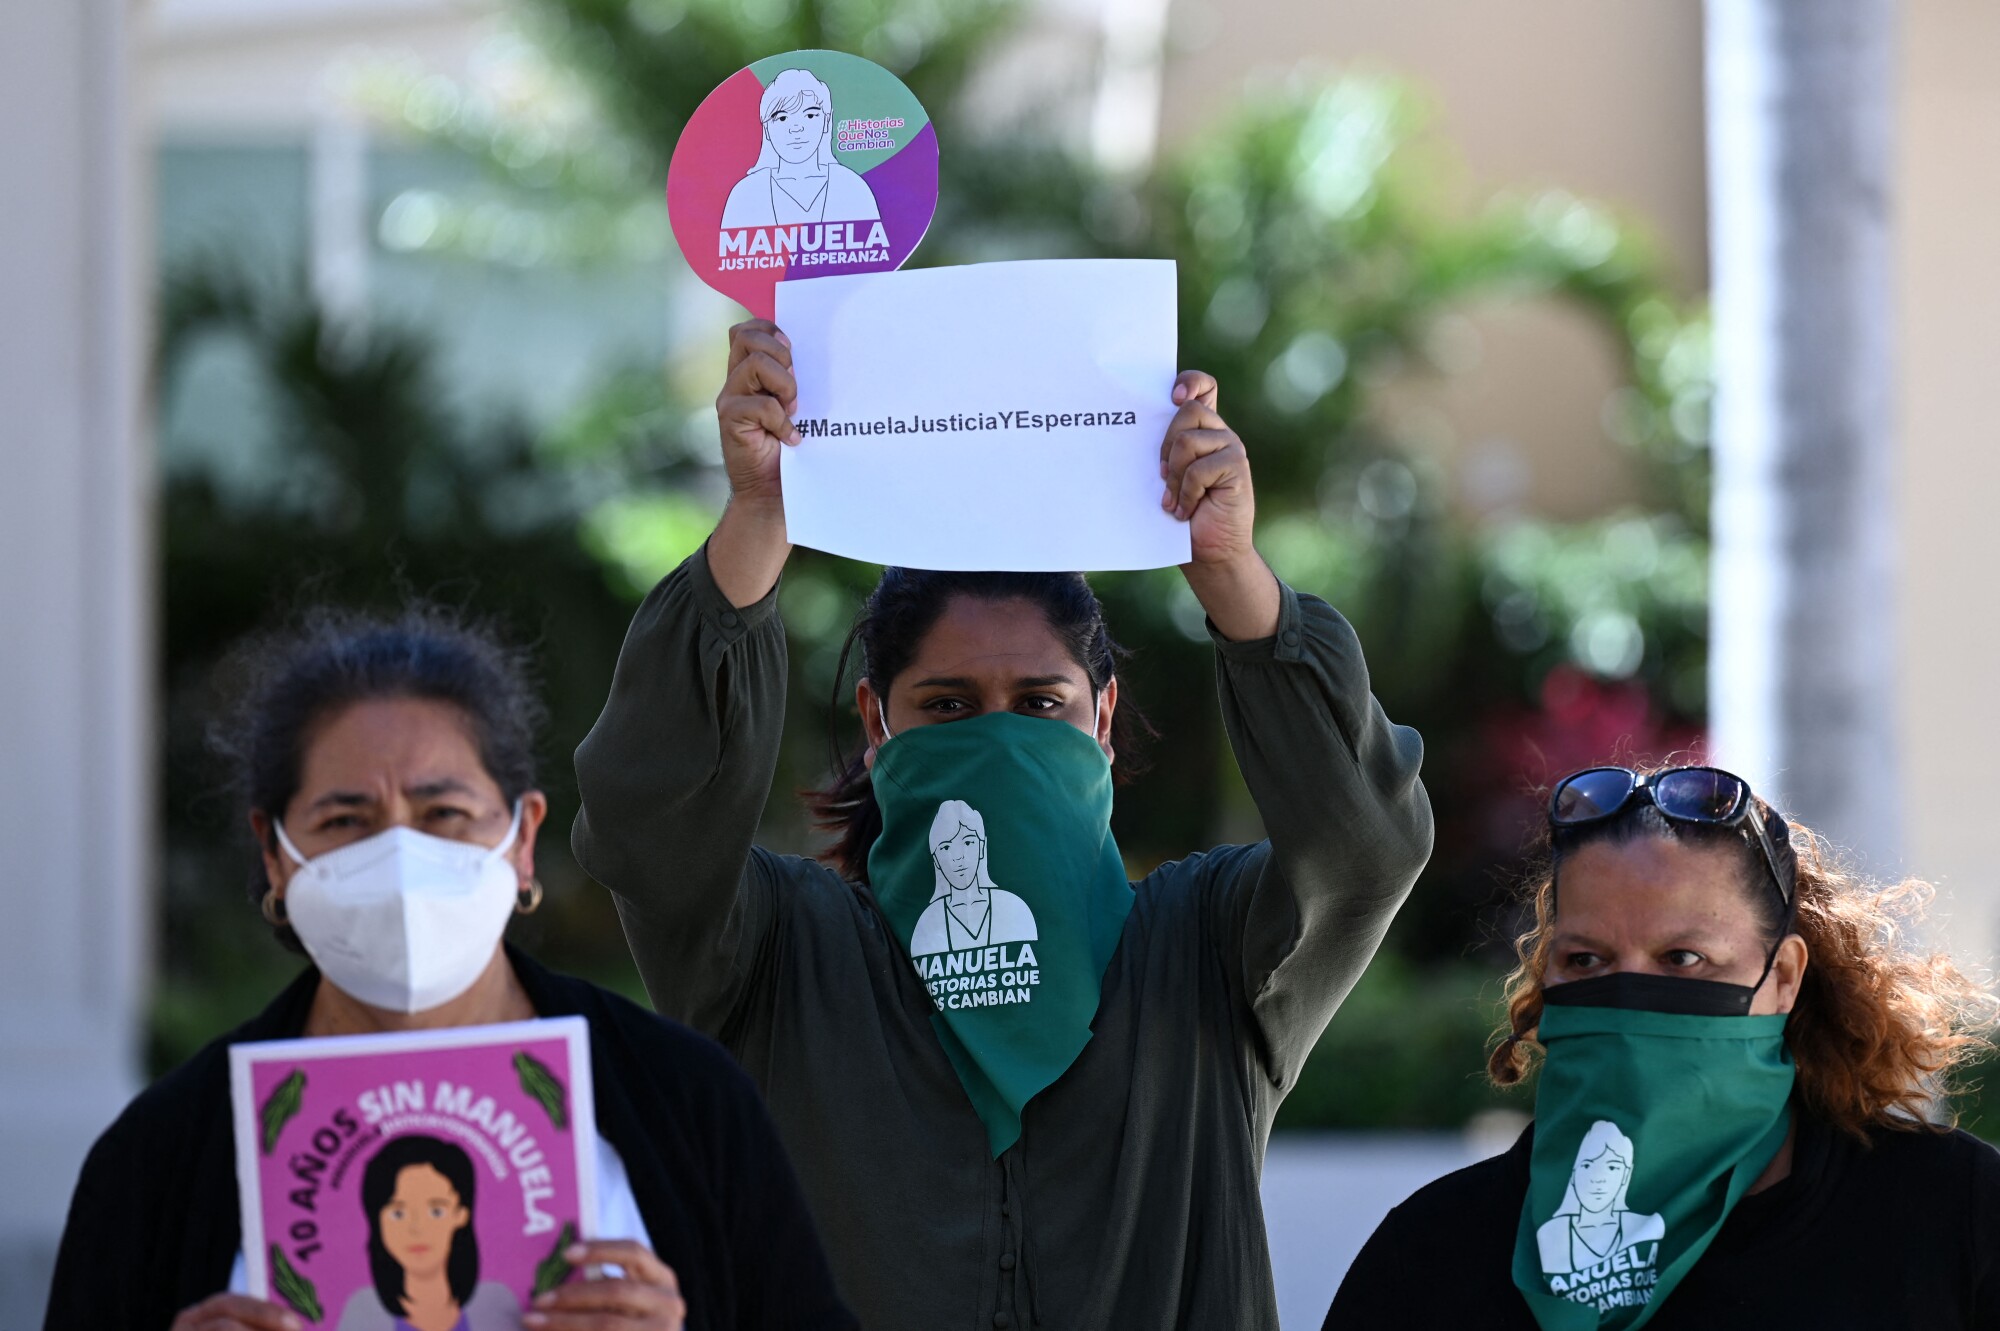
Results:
[754, 410]
[1205, 474]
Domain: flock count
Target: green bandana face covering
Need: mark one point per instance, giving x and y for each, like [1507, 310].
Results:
[1659, 1106]
[997, 869]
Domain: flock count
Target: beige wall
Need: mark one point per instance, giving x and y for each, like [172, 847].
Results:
[1948, 279]
[1601, 99]
[233, 68]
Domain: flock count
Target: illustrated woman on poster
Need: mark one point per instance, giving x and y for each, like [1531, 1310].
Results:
[418, 1194]
[795, 178]
[968, 910]
[1594, 1222]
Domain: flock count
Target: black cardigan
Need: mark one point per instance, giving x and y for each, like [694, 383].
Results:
[154, 1228]
[1901, 1233]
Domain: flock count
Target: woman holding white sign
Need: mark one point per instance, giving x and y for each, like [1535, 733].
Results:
[388, 768]
[1047, 1105]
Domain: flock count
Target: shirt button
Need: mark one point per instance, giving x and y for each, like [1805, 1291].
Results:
[729, 619]
[1006, 1261]
[1002, 1320]
[1291, 637]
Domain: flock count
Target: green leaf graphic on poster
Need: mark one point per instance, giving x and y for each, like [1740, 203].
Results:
[553, 1269]
[295, 1288]
[360, 1117]
[282, 1106]
[540, 1083]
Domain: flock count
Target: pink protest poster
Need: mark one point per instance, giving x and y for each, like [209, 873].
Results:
[427, 1181]
[803, 165]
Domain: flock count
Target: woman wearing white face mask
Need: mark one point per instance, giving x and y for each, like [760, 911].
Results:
[388, 768]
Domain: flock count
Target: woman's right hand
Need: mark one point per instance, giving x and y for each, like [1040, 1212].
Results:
[236, 1312]
[748, 550]
[755, 410]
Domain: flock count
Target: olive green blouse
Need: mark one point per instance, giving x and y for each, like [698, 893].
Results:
[1131, 1200]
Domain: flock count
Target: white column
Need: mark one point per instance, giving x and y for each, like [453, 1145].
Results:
[75, 554]
[1125, 115]
[337, 188]
[1802, 675]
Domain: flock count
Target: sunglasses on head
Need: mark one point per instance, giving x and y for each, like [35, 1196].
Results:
[1705, 795]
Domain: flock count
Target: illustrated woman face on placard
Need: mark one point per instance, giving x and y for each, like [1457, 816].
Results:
[1596, 1221]
[1600, 1180]
[797, 110]
[958, 848]
[418, 1194]
[804, 167]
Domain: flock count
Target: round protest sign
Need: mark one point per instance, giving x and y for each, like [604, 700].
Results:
[806, 164]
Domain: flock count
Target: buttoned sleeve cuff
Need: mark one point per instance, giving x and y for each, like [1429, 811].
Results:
[729, 623]
[1287, 644]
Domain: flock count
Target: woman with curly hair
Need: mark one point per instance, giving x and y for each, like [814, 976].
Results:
[1743, 1113]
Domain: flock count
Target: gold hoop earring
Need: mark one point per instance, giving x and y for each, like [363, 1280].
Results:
[273, 908]
[529, 899]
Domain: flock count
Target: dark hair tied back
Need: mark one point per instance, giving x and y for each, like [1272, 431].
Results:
[278, 687]
[890, 628]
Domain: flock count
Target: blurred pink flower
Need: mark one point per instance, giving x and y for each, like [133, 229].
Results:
[1582, 722]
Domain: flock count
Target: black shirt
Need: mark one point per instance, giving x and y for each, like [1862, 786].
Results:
[1900, 1232]
[153, 1227]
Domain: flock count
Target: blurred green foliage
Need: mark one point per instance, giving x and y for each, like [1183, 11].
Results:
[1316, 266]
[383, 497]
[1979, 1105]
[1407, 1050]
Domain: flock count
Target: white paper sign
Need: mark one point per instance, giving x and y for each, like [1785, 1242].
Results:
[991, 416]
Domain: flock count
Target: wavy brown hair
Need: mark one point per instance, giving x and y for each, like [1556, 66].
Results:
[1879, 1031]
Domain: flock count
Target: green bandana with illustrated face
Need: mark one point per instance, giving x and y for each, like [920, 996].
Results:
[997, 870]
[1652, 1120]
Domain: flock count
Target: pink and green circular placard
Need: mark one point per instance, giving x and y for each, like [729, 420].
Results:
[808, 164]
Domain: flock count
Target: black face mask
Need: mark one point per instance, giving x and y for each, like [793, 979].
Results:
[1635, 992]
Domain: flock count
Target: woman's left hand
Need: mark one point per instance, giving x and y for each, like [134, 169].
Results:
[646, 1298]
[1206, 474]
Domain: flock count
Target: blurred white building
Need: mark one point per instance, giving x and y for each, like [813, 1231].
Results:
[75, 553]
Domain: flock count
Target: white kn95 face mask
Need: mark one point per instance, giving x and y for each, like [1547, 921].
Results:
[403, 920]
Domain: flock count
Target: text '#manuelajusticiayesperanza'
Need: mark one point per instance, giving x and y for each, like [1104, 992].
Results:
[818, 427]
